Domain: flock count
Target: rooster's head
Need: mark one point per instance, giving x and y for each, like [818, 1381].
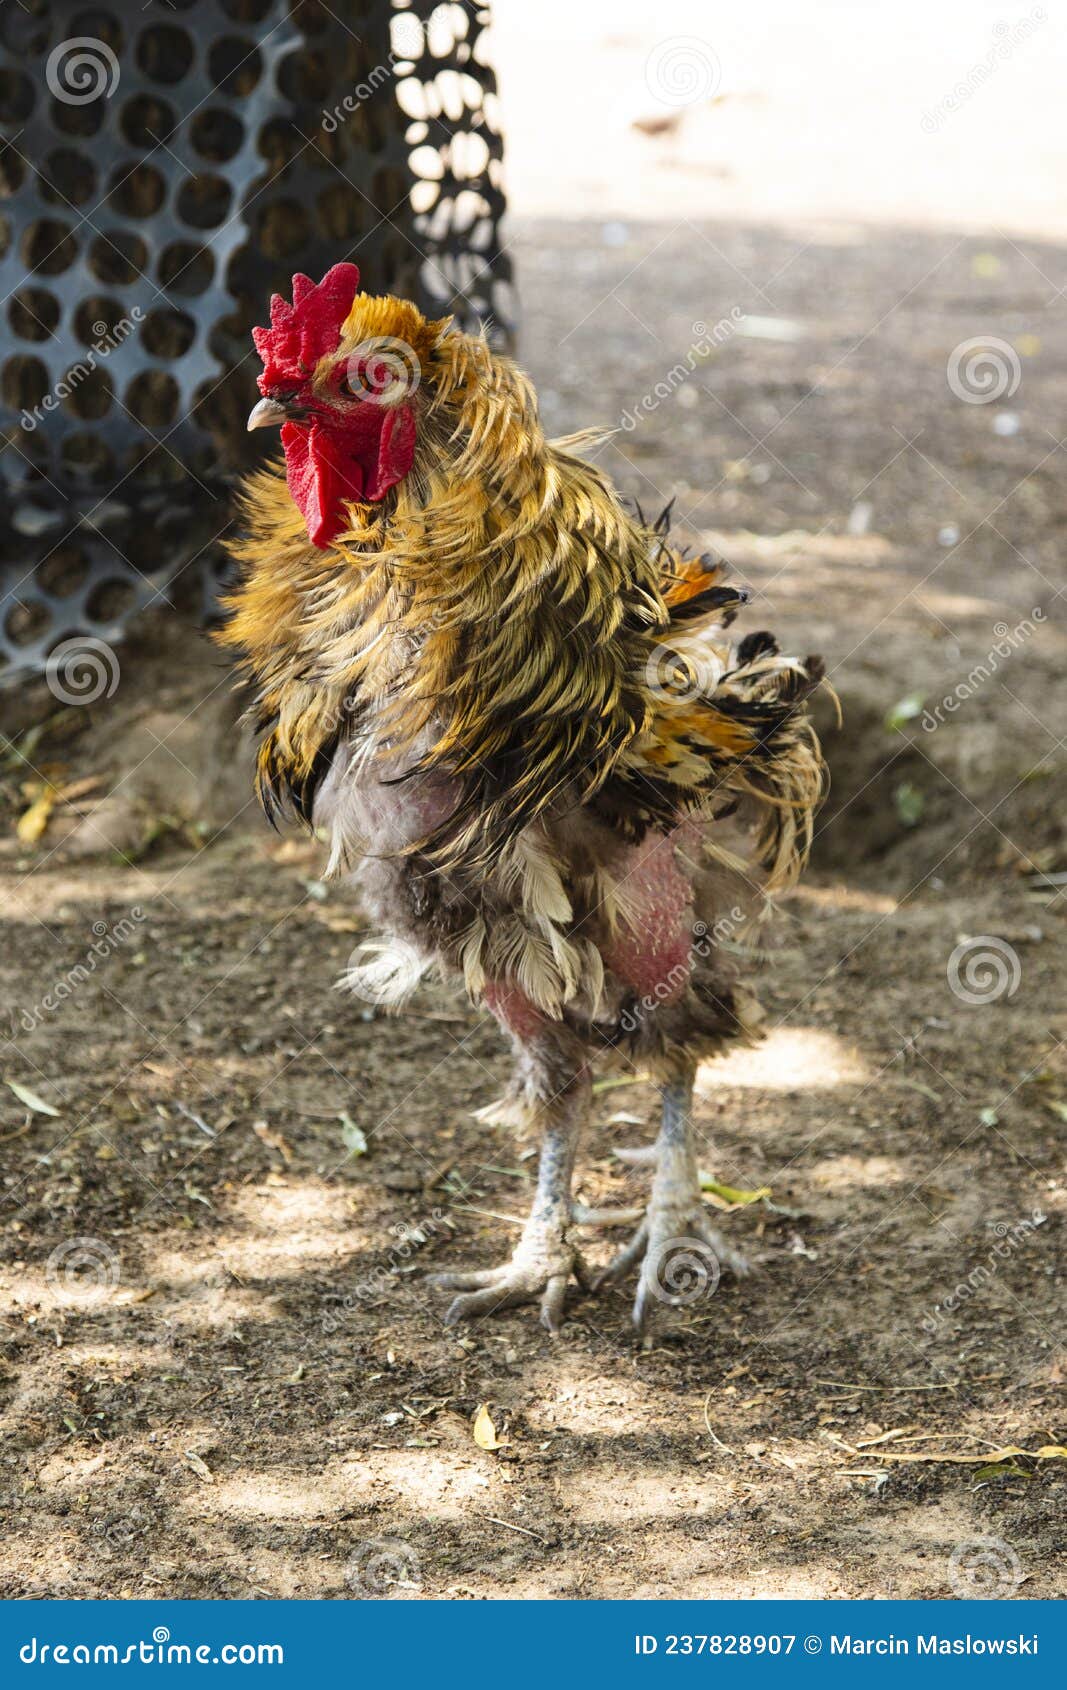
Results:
[341, 373]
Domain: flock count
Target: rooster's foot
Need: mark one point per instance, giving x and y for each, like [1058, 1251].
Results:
[682, 1258]
[540, 1270]
[682, 1253]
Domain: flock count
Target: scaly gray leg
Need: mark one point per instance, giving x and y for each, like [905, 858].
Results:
[683, 1253]
[544, 1259]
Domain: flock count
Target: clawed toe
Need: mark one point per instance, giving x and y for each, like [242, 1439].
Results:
[472, 1280]
[682, 1260]
[625, 1258]
[484, 1291]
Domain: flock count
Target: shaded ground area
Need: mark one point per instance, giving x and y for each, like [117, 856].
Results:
[221, 1373]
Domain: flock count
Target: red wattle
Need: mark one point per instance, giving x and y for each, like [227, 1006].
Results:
[327, 466]
[321, 476]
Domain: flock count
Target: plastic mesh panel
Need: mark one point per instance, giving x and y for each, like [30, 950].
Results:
[162, 170]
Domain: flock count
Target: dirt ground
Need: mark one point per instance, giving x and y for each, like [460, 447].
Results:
[221, 1370]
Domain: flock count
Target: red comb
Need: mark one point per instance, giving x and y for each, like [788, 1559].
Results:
[303, 332]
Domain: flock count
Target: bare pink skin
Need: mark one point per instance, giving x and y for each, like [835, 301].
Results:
[514, 1011]
[653, 954]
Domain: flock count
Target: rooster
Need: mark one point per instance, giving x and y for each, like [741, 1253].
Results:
[514, 707]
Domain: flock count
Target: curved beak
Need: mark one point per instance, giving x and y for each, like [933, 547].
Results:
[267, 414]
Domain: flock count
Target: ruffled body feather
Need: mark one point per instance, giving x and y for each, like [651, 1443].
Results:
[523, 712]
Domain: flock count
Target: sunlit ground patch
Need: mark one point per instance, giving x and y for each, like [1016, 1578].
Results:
[788, 1058]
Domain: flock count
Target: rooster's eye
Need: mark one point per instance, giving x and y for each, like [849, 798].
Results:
[354, 389]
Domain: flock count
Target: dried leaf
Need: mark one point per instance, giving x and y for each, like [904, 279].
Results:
[988, 1458]
[609, 1082]
[916, 1085]
[353, 1138]
[30, 1098]
[78, 789]
[905, 710]
[199, 1467]
[32, 822]
[730, 1196]
[484, 1431]
[274, 1141]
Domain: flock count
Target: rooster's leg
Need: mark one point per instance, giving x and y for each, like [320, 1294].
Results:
[682, 1252]
[544, 1258]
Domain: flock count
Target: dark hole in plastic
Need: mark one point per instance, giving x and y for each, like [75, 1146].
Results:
[86, 391]
[152, 398]
[63, 573]
[203, 201]
[117, 257]
[234, 65]
[168, 334]
[16, 95]
[33, 313]
[217, 135]
[109, 601]
[26, 622]
[69, 177]
[48, 247]
[283, 228]
[78, 121]
[186, 268]
[147, 120]
[25, 381]
[99, 319]
[165, 52]
[138, 192]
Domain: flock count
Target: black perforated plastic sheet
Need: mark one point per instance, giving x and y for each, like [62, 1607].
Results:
[163, 168]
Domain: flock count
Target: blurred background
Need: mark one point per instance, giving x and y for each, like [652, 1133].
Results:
[810, 265]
